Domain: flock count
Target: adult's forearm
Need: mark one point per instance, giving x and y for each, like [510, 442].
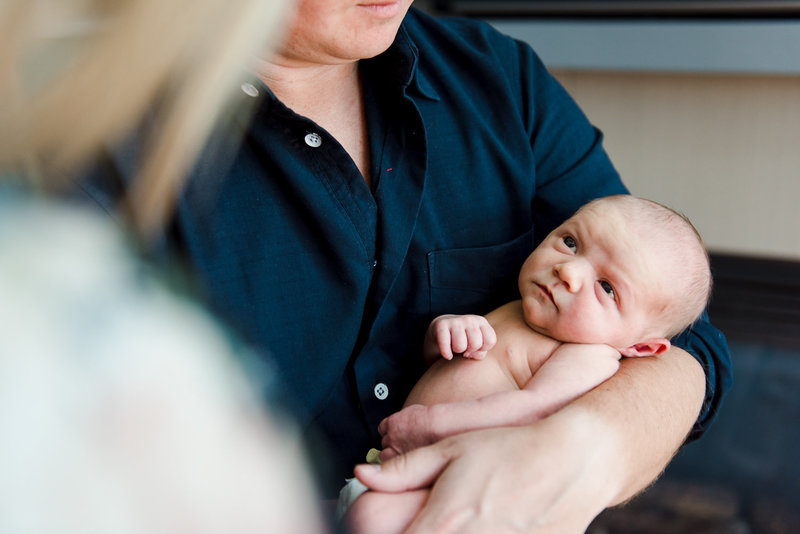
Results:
[650, 404]
[554, 476]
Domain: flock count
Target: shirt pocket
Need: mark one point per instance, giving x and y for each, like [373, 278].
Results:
[477, 280]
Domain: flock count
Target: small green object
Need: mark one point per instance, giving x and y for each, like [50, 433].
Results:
[373, 456]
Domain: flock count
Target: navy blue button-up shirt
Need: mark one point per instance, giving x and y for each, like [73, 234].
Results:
[477, 153]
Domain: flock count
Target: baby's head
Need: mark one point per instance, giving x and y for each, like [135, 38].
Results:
[623, 271]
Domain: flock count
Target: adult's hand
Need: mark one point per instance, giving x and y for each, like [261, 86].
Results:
[556, 475]
[543, 478]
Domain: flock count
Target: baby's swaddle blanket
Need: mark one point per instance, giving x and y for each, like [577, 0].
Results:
[353, 488]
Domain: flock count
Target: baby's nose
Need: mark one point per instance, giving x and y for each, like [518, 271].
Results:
[572, 274]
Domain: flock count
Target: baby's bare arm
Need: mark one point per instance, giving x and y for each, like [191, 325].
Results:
[572, 370]
[568, 373]
[446, 383]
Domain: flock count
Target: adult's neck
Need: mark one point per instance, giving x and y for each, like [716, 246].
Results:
[310, 89]
[328, 94]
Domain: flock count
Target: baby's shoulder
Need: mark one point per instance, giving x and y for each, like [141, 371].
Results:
[517, 343]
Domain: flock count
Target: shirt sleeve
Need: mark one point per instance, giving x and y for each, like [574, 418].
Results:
[708, 345]
[572, 166]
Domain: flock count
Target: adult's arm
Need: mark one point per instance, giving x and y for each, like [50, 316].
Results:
[608, 445]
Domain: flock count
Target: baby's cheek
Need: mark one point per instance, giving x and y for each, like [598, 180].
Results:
[531, 314]
[578, 328]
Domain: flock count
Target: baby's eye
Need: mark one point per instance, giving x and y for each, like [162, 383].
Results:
[571, 243]
[608, 288]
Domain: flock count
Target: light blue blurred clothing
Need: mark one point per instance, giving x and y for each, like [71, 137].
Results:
[124, 407]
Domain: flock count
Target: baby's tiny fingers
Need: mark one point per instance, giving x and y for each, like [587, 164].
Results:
[445, 345]
[387, 454]
[383, 426]
[489, 337]
[459, 340]
[476, 340]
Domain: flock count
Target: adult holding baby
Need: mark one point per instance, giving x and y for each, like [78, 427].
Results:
[398, 167]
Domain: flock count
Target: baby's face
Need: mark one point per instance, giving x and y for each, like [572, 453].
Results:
[593, 280]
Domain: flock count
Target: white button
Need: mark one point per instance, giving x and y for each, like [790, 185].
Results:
[381, 391]
[313, 140]
[250, 89]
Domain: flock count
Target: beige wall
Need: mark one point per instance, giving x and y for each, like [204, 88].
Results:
[723, 149]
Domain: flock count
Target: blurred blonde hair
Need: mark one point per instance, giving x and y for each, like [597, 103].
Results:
[77, 74]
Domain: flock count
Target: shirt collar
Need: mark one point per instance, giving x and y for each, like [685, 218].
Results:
[403, 58]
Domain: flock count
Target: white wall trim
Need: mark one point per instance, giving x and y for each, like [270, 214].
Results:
[727, 46]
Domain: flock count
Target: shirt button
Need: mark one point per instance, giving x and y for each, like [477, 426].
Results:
[313, 140]
[249, 89]
[374, 263]
[381, 391]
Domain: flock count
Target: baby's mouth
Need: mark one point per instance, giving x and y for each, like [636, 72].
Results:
[544, 289]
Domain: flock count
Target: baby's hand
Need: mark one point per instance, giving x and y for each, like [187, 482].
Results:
[408, 429]
[470, 336]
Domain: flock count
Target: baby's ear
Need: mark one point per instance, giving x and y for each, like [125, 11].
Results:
[650, 347]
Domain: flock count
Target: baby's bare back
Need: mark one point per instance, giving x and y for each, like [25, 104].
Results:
[519, 352]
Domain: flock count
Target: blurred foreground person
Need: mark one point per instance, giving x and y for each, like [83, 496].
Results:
[123, 407]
